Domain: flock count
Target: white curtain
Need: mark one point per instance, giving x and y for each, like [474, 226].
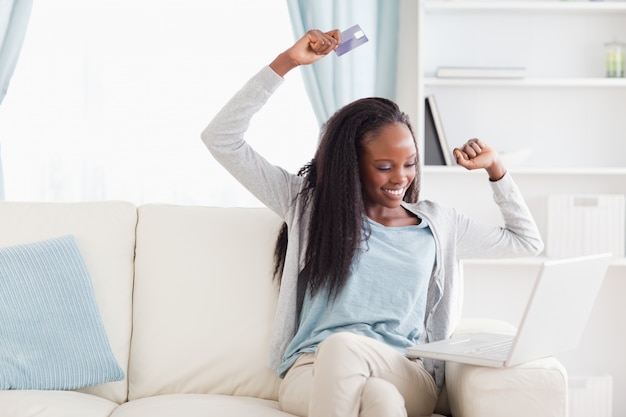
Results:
[1, 177]
[369, 70]
[110, 96]
[14, 15]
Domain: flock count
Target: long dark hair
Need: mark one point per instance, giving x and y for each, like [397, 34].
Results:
[332, 189]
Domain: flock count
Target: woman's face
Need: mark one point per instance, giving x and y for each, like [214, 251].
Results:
[387, 166]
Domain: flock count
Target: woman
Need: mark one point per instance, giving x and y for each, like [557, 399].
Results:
[365, 268]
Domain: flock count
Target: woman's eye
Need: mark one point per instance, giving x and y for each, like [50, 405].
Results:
[385, 168]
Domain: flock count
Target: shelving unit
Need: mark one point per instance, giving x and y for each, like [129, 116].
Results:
[564, 107]
[565, 110]
[570, 116]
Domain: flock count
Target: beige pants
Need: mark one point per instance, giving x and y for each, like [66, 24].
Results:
[356, 376]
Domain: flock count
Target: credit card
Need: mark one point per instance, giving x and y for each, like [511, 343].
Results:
[350, 39]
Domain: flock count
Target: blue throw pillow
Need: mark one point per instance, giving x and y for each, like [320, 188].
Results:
[51, 332]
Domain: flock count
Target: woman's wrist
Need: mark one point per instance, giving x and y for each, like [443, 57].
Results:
[496, 171]
[282, 64]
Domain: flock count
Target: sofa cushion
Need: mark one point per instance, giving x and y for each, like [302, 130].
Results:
[200, 405]
[51, 332]
[204, 301]
[105, 235]
[34, 403]
[537, 388]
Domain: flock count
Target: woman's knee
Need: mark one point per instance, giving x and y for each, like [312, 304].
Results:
[341, 356]
[380, 398]
[340, 338]
[338, 343]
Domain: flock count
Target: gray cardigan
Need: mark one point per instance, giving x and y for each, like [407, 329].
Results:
[456, 235]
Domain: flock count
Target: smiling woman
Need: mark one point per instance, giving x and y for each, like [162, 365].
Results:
[108, 97]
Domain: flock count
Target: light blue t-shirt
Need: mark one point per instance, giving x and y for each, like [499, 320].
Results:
[384, 297]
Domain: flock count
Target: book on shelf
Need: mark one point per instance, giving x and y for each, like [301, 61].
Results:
[481, 72]
[436, 151]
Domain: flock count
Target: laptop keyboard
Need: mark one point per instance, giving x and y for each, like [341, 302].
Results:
[498, 350]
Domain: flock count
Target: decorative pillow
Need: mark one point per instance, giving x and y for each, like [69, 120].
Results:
[51, 332]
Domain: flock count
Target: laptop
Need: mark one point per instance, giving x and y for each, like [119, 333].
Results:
[553, 322]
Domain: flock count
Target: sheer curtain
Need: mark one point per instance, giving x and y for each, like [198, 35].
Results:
[109, 98]
[14, 15]
[1, 177]
[369, 70]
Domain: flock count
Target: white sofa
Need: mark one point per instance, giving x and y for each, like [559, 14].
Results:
[186, 298]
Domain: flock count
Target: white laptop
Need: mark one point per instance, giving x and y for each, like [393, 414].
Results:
[554, 320]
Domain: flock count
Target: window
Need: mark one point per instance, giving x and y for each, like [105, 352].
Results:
[109, 98]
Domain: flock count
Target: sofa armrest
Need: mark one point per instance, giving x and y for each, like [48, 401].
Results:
[537, 388]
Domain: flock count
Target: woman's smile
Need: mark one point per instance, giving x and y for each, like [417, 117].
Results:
[387, 167]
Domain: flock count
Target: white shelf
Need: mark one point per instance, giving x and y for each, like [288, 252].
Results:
[529, 6]
[527, 82]
[527, 261]
[578, 171]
